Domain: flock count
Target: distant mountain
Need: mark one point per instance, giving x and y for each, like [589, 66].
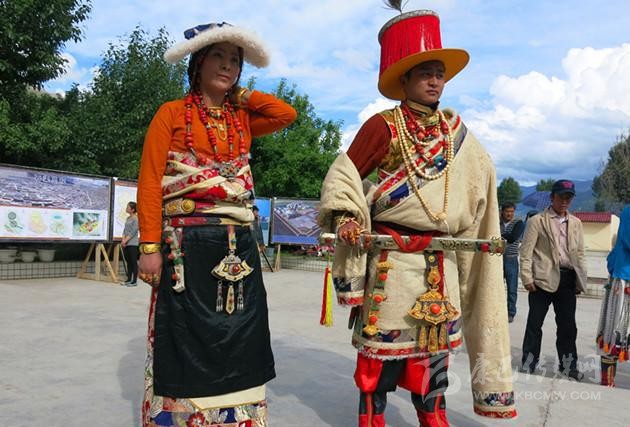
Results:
[584, 199]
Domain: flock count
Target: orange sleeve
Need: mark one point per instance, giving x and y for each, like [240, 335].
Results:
[152, 165]
[268, 114]
[370, 145]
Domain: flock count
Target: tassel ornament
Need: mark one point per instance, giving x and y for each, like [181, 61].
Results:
[326, 318]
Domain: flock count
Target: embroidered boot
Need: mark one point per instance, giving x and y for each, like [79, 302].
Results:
[378, 420]
[608, 369]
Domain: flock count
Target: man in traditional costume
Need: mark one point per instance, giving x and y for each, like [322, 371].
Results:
[411, 307]
[209, 351]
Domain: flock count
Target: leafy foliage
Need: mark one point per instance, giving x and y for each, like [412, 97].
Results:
[32, 34]
[509, 191]
[294, 161]
[545, 184]
[612, 186]
[111, 120]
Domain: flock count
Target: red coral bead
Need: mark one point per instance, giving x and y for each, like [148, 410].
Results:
[435, 308]
[382, 277]
[373, 319]
[378, 298]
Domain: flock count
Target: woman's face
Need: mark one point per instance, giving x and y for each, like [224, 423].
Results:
[220, 68]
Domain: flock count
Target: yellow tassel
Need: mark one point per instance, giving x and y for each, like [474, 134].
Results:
[326, 318]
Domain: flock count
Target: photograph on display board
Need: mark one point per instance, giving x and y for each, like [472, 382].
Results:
[264, 211]
[124, 192]
[87, 225]
[37, 204]
[294, 221]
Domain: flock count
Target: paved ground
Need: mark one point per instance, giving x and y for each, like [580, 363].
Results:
[72, 354]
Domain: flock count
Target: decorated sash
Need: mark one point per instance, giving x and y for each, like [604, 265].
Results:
[217, 189]
[393, 179]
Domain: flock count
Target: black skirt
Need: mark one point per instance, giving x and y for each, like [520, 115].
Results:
[201, 352]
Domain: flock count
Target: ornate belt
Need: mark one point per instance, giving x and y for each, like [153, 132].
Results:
[183, 206]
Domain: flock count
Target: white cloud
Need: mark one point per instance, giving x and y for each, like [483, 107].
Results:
[350, 131]
[540, 125]
[73, 73]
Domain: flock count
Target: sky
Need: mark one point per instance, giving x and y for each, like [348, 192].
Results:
[547, 89]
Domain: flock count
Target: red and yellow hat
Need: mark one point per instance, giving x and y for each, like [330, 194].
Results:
[408, 40]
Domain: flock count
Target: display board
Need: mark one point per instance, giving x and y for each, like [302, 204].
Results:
[264, 211]
[124, 192]
[295, 221]
[44, 205]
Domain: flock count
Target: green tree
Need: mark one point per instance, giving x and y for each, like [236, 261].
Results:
[612, 187]
[109, 121]
[545, 184]
[32, 34]
[509, 191]
[294, 161]
[35, 135]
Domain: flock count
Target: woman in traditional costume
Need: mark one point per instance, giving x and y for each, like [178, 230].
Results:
[613, 332]
[209, 352]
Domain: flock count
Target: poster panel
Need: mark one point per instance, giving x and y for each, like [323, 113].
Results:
[264, 211]
[124, 192]
[38, 204]
[294, 221]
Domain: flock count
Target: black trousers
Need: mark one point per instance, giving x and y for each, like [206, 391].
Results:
[564, 301]
[131, 257]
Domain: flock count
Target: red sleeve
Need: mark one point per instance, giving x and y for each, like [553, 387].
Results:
[268, 113]
[152, 165]
[370, 145]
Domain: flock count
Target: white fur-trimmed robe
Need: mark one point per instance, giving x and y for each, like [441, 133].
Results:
[474, 281]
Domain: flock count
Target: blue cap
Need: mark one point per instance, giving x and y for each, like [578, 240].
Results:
[563, 186]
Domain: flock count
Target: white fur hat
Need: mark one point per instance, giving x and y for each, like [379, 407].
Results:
[254, 50]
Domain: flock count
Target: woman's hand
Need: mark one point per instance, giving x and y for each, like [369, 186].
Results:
[150, 267]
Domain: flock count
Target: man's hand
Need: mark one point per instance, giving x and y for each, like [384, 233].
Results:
[150, 267]
[530, 287]
[349, 233]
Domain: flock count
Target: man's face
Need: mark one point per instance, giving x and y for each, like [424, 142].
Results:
[507, 214]
[424, 83]
[560, 203]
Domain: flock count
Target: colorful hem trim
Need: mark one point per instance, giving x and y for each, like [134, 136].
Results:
[510, 413]
[398, 353]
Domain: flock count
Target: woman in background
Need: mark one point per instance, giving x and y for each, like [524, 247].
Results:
[129, 244]
[613, 338]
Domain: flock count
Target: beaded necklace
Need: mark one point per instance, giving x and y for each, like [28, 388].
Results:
[229, 120]
[414, 138]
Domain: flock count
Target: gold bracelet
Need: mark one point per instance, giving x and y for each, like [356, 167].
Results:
[239, 95]
[149, 248]
[346, 219]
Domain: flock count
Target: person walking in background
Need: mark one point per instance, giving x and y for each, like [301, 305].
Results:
[258, 228]
[553, 271]
[129, 244]
[209, 347]
[613, 331]
[511, 231]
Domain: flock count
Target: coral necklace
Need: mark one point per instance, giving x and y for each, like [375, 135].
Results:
[412, 139]
[232, 123]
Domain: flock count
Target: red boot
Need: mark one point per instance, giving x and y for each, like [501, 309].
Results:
[433, 419]
[378, 420]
